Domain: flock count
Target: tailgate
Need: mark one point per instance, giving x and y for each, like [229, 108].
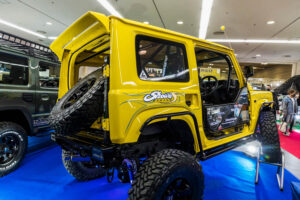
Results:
[86, 28]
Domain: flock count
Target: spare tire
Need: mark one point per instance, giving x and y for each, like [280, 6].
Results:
[80, 107]
[82, 170]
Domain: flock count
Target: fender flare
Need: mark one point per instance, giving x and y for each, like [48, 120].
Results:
[169, 116]
[24, 111]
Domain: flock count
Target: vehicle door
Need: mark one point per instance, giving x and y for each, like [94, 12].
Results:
[17, 85]
[225, 102]
[46, 90]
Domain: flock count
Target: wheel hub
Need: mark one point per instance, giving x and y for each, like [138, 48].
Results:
[8, 148]
[179, 189]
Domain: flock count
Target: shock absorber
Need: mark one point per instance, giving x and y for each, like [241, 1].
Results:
[127, 171]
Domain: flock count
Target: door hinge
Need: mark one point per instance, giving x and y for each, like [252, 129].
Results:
[106, 71]
[105, 124]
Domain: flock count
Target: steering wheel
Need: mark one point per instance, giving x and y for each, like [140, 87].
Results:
[208, 87]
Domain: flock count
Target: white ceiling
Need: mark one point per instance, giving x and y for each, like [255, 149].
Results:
[243, 19]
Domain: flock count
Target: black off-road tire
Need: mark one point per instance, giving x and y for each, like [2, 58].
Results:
[16, 137]
[82, 170]
[158, 173]
[269, 137]
[84, 111]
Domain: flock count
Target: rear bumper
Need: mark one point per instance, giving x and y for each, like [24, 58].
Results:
[86, 147]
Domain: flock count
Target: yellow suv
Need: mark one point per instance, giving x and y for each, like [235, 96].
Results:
[150, 103]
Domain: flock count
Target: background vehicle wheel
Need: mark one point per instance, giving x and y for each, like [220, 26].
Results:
[82, 171]
[269, 137]
[80, 107]
[13, 145]
[168, 174]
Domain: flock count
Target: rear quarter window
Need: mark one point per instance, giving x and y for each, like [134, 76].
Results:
[13, 69]
[161, 60]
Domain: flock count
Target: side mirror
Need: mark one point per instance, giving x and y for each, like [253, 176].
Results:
[249, 71]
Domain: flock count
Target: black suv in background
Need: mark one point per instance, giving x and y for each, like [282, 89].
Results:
[29, 78]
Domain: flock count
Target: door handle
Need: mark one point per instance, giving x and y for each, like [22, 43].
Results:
[28, 97]
[188, 103]
[192, 100]
[44, 97]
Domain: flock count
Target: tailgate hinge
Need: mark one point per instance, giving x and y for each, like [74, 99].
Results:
[105, 124]
[106, 71]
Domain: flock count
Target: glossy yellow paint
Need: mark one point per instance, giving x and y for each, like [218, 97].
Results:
[127, 109]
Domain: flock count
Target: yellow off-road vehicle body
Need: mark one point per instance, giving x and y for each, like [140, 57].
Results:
[134, 103]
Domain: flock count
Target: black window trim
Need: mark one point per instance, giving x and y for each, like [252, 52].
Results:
[10, 63]
[140, 37]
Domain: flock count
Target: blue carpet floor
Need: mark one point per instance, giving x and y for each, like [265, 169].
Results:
[227, 176]
[36, 143]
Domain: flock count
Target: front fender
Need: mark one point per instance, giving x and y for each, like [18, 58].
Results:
[258, 100]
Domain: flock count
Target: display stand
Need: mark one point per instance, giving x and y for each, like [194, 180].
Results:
[280, 168]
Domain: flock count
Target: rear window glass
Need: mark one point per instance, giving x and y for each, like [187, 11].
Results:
[161, 60]
[13, 70]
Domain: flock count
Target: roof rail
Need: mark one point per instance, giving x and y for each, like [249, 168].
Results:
[26, 46]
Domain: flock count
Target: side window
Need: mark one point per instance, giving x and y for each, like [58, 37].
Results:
[13, 69]
[85, 70]
[215, 64]
[161, 60]
[49, 75]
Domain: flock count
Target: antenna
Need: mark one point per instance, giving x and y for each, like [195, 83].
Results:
[225, 33]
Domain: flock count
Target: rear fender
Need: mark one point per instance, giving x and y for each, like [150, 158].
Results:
[156, 114]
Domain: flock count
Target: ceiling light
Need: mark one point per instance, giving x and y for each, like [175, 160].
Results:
[258, 55]
[255, 41]
[180, 22]
[270, 22]
[264, 63]
[109, 8]
[52, 37]
[21, 28]
[146, 22]
[49, 23]
[205, 15]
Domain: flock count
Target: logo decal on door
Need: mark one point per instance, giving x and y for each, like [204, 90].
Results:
[159, 97]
